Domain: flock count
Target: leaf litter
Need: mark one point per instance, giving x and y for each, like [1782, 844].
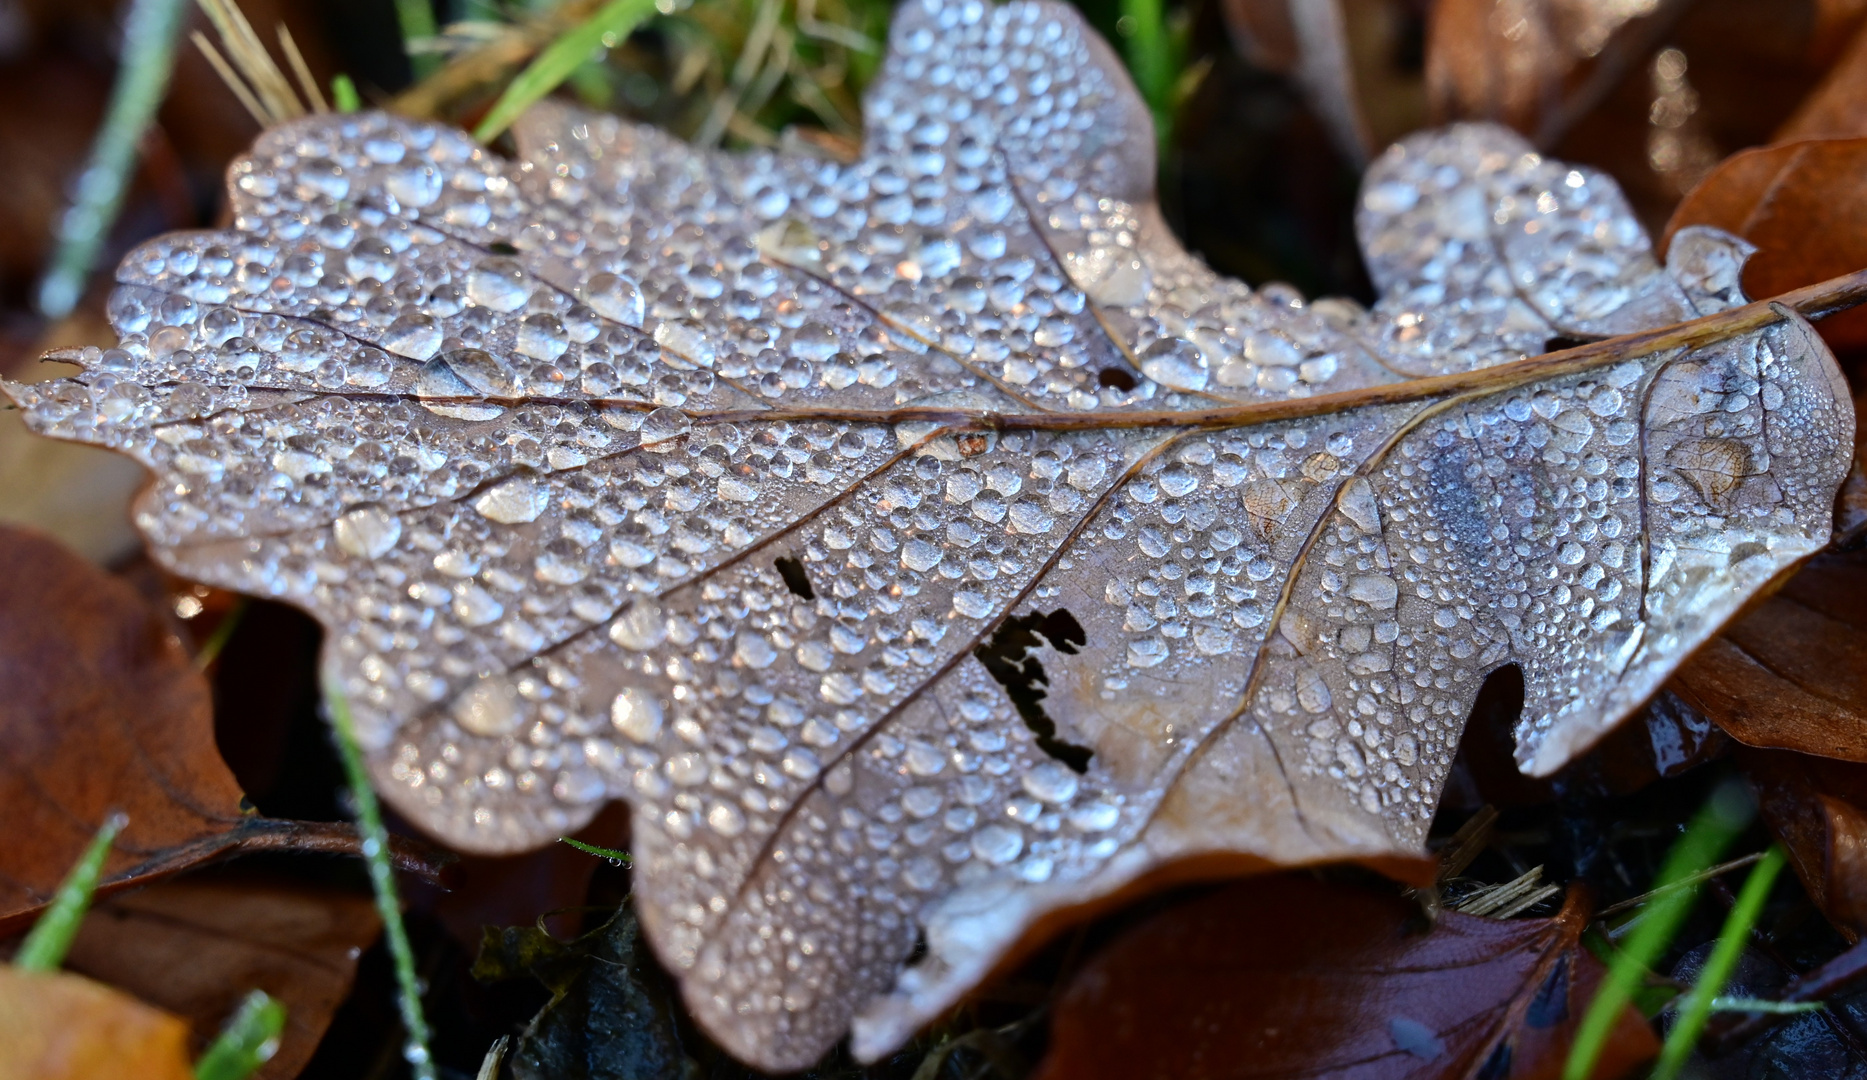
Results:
[534, 439]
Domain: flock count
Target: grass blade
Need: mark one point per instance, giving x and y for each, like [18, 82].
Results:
[1149, 52]
[50, 938]
[611, 23]
[248, 1041]
[382, 881]
[416, 18]
[344, 96]
[1695, 1007]
[149, 37]
[1723, 816]
[591, 849]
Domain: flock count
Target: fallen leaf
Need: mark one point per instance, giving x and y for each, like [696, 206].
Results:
[1800, 205]
[1309, 41]
[1294, 977]
[55, 1026]
[1536, 65]
[196, 946]
[104, 712]
[630, 471]
[610, 1016]
[1817, 809]
[1792, 674]
[1837, 108]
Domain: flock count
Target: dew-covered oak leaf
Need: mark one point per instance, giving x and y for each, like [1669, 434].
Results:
[928, 546]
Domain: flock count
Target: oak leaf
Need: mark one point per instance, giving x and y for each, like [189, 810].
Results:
[732, 486]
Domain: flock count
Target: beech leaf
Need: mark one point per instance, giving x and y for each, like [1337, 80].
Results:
[928, 547]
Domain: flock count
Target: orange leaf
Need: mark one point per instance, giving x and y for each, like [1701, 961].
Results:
[65, 1027]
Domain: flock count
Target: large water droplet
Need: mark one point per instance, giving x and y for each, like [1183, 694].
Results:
[641, 627]
[499, 284]
[1175, 362]
[489, 707]
[616, 298]
[514, 501]
[637, 714]
[367, 531]
[414, 335]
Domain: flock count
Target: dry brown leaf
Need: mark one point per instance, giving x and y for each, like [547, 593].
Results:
[700, 481]
[1294, 977]
[1792, 674]
[196, 946]
[104, 712]
[1837, 108]
[1536, 65]
[1801, 206]
[55, 1026]
[1818, 811]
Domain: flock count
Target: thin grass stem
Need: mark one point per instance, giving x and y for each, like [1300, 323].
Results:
[1695, 1007]
[382, 881]
[249, 1039]
[611, 23]
[149, 36]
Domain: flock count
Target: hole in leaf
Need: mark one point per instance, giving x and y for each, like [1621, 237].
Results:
[920, 949]
[1497, 1066]
[1115, 378]
[1559, 343]
[1007, 657]
[791, 569]
[501, 247]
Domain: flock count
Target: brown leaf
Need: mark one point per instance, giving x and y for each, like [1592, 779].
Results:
[195, 946]
[1802, 205]
[1837, 108]
[104, 712]
[1792, 674]
[1536, 65]
[1818, 809]
[1292, 976]
[55, 1026]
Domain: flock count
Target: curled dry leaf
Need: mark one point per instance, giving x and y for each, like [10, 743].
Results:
[711, 483]
[196, 946]
[1792, 674]
[55, 1026]
[1293, 977]
[104, 712]
[1801, 205]
[1818, 810]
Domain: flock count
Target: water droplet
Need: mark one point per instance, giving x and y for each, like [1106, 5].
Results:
[367, 531]
[414, 335]
[637, 714]
[1051, 782]
[664, 424]
[499, 284]
[997, 844]
[1177, 363]
[616, 298]
[687, 339]
[641, 627]
[489, 707]
[514, 501]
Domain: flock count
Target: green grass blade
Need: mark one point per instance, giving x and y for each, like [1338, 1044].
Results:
[611, 23]
[1724, 815]
[382, 880]
[416, 18]
[591, 849]
[50, 938]
[148, 58]
[1149, 51]
[248, 1041]
[344, 96]
[1695, 1007]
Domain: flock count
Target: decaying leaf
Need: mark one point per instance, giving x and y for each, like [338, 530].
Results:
[196, 946]
[610, 1016]
[627, 471]
[1294, 977]
[104, 712]
[1792, 674]
[55, 1026]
